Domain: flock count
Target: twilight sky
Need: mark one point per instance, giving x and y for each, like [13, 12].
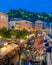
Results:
[29, 5]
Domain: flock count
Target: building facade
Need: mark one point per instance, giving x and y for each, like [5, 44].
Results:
[3, 20]
[21, 24]
[49, 29]
[38, 25]
[45, 25]
[11, 24]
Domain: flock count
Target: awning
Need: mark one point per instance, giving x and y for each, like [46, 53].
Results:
[39, 38]
[41, 46]
[39, 42]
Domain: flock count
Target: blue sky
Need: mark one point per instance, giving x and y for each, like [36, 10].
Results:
[29, 5]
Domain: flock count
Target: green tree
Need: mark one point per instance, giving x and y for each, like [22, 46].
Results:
[22, 34]
[4, 33]
[32, 16]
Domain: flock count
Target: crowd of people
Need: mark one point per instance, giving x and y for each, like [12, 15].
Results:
[35, 54]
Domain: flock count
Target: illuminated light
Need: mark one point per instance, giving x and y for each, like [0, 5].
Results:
[21, 40]
[5, 44]
[25, 45]
[27, 50]
[3, 49]
[27, 36]
[32, 34]
[35, 30]
[0, 36]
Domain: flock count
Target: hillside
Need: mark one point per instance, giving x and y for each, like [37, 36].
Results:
[31, 16]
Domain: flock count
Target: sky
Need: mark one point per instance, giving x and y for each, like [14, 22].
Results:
[29, 5]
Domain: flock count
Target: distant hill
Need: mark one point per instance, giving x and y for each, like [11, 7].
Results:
[31, 16]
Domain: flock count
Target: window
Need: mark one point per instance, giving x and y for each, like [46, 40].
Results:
[3, 18]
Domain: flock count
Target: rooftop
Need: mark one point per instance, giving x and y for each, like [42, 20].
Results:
[14, 19]
[38, 21]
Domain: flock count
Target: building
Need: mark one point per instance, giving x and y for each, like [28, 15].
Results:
[20, 25]
[49, 29]
[3, 20]
[38, 25]
[23, 24]
[44, 25]
[11, 24]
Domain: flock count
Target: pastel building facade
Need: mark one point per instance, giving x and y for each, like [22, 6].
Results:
[38, 25]
[20, 25]
[11, 24]
[3, 20]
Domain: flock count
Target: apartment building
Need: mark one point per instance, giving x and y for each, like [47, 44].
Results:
[3, 20]
[20, 25]
[38, 25]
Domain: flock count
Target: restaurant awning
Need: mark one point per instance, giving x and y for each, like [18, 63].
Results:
[39, 37]
[39, 42]
[39, 45]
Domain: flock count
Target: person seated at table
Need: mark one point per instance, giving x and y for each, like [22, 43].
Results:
[12, 63]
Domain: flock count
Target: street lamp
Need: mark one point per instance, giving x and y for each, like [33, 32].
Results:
[0, 37]
[6, 44]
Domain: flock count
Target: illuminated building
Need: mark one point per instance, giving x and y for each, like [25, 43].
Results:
[20, 25]
[3, 20]
[38, 25]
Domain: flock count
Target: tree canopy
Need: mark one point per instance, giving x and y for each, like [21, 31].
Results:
[4, 33]
[17, 33]
[32, 16]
